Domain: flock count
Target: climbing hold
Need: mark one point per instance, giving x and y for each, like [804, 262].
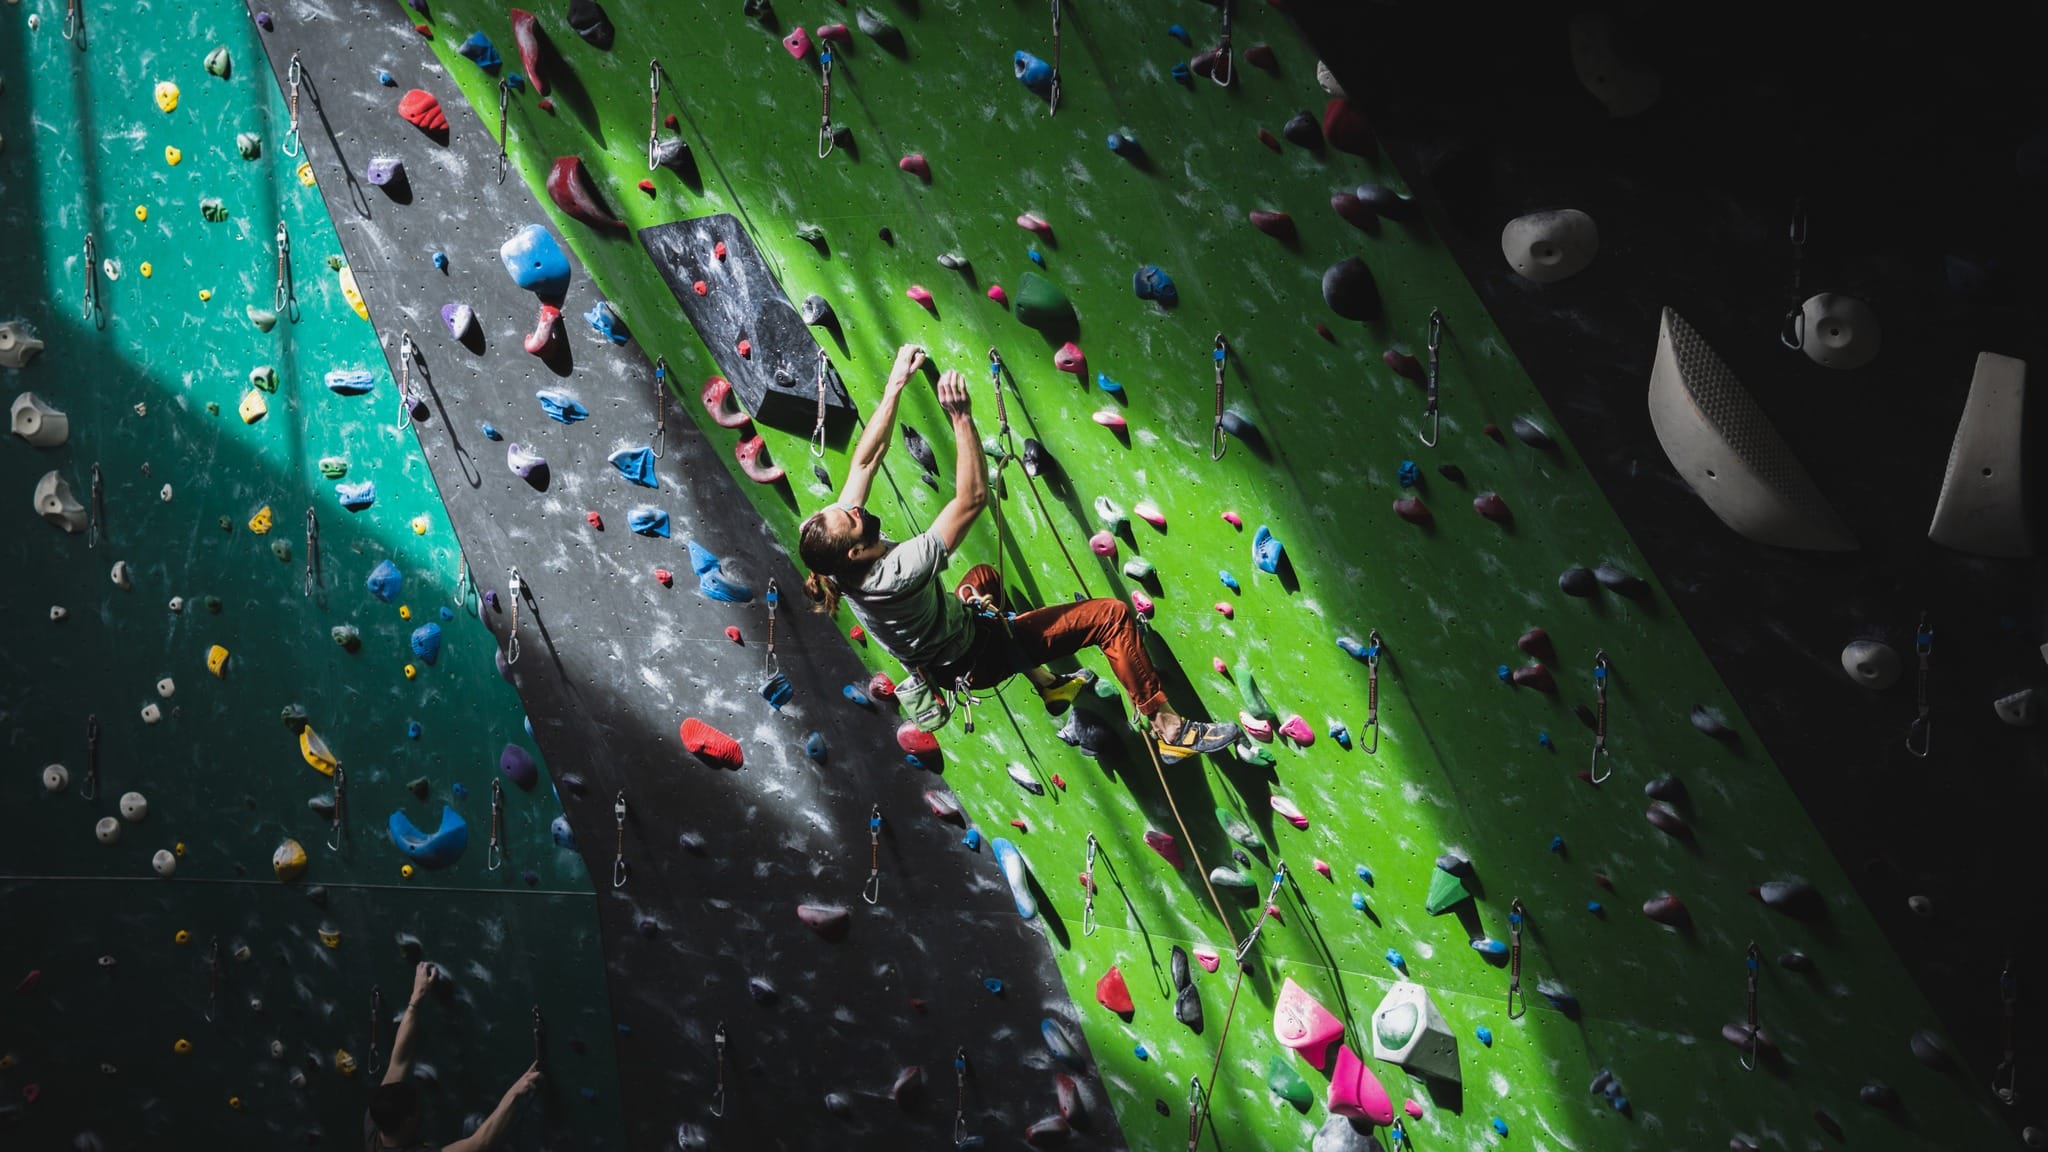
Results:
[350, 382]
[1871, 663]
[1267, 552]
[1109, 418]
[356, 497]
[1356, 1092]
[1297, 730]
[1577, 581]
[711, 746]
[2021, 709]
[722, 403]
[1088, 732]
[1150, 282]
[437, 849]
[828, 920]
[1669, 789]
[1620, 581]
[569, 185]
[920, 295]
[535, 261]
[1981, 508]
[1278, 225]
[479, 50]
[917, 166]
[1408, 1031]
[1070, 359]
[604, 320]
[1485, 1035]
[1414, 511]
[289, 860]
[587, 19]
[385, 581]
[527, 464]
[1012, 863]
[516, 764]
[1795, 898]
[647, 520]
[1349, 290]
[1341, 734]
[1345, 127]
[532, 42]
[1303, 131]
[1838, 331]
[1112, 993]
[1667, 909]
[419, 108]
[749, 453]
[1666, 819]
[1229, 581]
[797, 43]
[996, 293]
[460, 319]
[35, 421]
[1535, 676]
[1546, 247]
[1289, 812]
[1529, 432]
[1033, 73]
[636, 465]
[916, 741]
[1536, 643]
[1022, 777]
[1165, 845]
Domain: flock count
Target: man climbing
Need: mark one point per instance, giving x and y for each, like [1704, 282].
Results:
[966, 638]
[393, 1119]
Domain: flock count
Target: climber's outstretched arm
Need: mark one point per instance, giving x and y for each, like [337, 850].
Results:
[970, 480]
[874, 439]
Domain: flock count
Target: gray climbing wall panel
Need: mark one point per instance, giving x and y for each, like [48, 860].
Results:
[153, 383]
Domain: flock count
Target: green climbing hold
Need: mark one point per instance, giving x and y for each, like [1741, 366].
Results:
[263, 318]
[293, 716]
[219, 63]
[263, 378]
[333, 467]
[333, 262]
[1445, 891]
[212, 208]
[1287, 1083]
[1236, 828]
[346, 636]
[282, 550]
[1250, 753]
[1230, 878]
[1040, 304]
[249, 144]
[1106, 688]
[1255, 704]
[214, 605]
[810, 232]
[213, 408]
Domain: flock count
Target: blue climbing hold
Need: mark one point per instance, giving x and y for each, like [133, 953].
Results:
[350, 382]
[1341, 735]
[1037, 257]
[914, 762]
[1103, 382]
[648, 520]
[1396, 961]
[1151, 282]
[1229, 581]
[1060, 1043]
[560, 406]
[853, 693]
[412, 730]
[1117, 142]
[480, 50]
[1141, 1053]
[777, 691]
[994, 986]
[1409, 475]
[385, 79]
[564, 838]
[515, 81]
[458, 790]
[637, 465]
[1181, 73]
[606, 323]
[814, 746]
[1364, 873]
[716, 585]
[1500, 1126]
[1033, 73]
[447, 614]
[1353, 648]
[1266, 550]
[1543, 740]
[1487, 946]
[1181, 34]
[1011, 862]
[436, 849]
[1485, 1035]
[1557, 844]
[426, 642]
[440, 261]
[1358, 901]
[972, 839]
[356, 497]
[535, 261]
[490, 431]
[1595, 907]
[1506, 674]
[702, 559]
[385, 581]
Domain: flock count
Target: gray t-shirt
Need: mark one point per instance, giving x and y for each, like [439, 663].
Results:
[906, 607]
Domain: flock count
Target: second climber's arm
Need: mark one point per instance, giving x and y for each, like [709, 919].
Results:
[970, 480]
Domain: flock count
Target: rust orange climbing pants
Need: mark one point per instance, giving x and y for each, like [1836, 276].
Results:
[1054, 633]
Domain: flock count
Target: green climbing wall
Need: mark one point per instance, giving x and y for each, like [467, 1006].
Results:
[1464, 762]
[113, 962]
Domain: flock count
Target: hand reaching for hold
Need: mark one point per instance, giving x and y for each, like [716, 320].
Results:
[527, 1081]
[953, 394]
[909, 358]
[423, 978]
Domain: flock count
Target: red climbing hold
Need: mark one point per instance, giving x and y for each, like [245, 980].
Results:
[1535, 676]
[1536, 643]
[1345, 127]
[1666, 910]
[1491, 432]
[920, 294]
[1204, 64]
[1414, 511]
[858, 635]
[718, 250]
[700, 288]
[670, 122]
[570, 187]
[1601, 879]
[746, 349]
[1664, 818]
[732, 633]
[718, 400]
[29, 982]
[664, 577]
[1355, 212]
[1112, 993]
[711, 745]
[1020, 825]
[1491, 506]
[996, 293]
[1163, 844]
[1069, 359]
[915, 741]
[527, 35]
[647, 186]
[1261, 56]
[748, 453]
[1059, 782]
[1403, 364]
[546, 105]
[1323, 330]
[420, 109]
[594, 520]
[1051, 1130]
[426, 30]
[835, 32]
[1033, 222]
[1269, 140]
[798, 42]
[1068, 1095]
[916, 165]
[547, 331]
[1278, 225]
[881, 687]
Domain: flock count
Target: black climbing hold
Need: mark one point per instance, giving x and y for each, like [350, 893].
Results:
[1531, 433]
[1349, 290]
[317, 893]
[1929, 1050]
[648, 927]
[761, 990]
[823, 477]
[1036, 458]
[1795, 961]
[1451, 472]
[588, 20]
[1178, 965]
[690, 842]
[920, 450]
[1621, 582]
[876, 27]
[409, 947]
[1878, 1094]
[1578, 582]
[1385, 201]
[1669, 789]
[419, 787]
[1233, 425]
[814, 309]
[1709, 723]
[1187, 1007]
[886, 236]
[672, 153]
[1455, 864]
[761, 10]
[1088, 732]
[1795, 898]
[839, 1105]
[1302, 129]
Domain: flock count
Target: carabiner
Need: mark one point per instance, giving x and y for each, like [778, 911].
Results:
[825, 140]
[1515, 915]
[1217, 444]
[653, 110]
[1436, 341]
[619, 852]
[294, 74]
[1088, 890]
[660, 406]
[1599, 719]
[515, 589]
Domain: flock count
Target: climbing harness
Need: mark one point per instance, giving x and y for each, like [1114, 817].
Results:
[283, 296]
[408, 400]
[91, 300]
[1436, 341]
[718, 1093]
[619, 851]
[1195, 1101]
[1754, 960]
[1792, 333]
[213, 978]
[98, 510]
[825, 142]
[1224, 72]
[312, 549]
[1053, 107]
[960, 1098]
[818, 429]
[293, 75]
[1599, 718]
[2005, 1078]
[660, 406]
[1373, 645]
[512, 636]
[653, 111]
[494, 854]
[1216, 441]
[340, 807]
[1515, 961]
[1920, 736]
[376, 1024]
[504, 126]
[872, 890]
[91, 788]
[1088, 890]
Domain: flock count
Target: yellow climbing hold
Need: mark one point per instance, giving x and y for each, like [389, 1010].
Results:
[343, 1062]
[183, 1047]
[420, 524]
[178, 848]
[142, 211]
[332, 938]
[260, 522]
[289, 861]
[405, 870]
[305, 173]
[254, 408]
[405, 612]
[316, 751]
[353, 294]
[235, 1102]
[411, 672]
[148, 269]
[217, 661]
[166, 96]
[173, 155]
[182, 937]
[205, 294]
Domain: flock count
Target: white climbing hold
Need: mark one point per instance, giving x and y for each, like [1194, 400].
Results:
[1408, 1030]
[1982, 503]
[56, 504]
[58, 613]
[177, 604]
[133, 806]
[1871, 663]
[35, 421]
[2022, 709]
[1327, 80]
[165, 863]
[108, 830]
[1023, 778]
[120, 574]
[1838, 331]
[165, 687]
[151, 713]
[56, 777]
[1546, 247]
[18, 344]
[1109, 513]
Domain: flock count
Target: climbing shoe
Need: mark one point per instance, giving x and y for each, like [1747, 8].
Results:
[1195, 738]
[1059, 695]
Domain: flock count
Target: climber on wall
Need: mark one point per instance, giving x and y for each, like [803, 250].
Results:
[967, 639]
[393, 1119]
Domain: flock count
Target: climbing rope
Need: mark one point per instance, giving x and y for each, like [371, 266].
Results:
[1792, 333]
[1754, 960]
[619, 850]
[660, 406]
[312, 548]
[1515, 961]
[282, 297]
[1436, 341]
[825, 142]
[960, 1098]
[213, 978]
[294, 74]
[512, 636]
[1199, 1116]
[407, 400]
[98, 509]
[494, 855]
[1224, 73]
[1920, 736]
[91, 298]
[872, 890]
[340, 829]
[1373, 645]
[1599, 718]
[1088, 890]
[504, 126]
[2005, 1078]
[1217, 444]
[1053, 108]
[653, 111]
[818, 429]
[996, 370]
[718, 1093]
[91, 788]
[376, 1024]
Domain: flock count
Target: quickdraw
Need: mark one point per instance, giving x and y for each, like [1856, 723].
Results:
[774, 597]
[1088, 890]
[340, 829]
[1271, 910]
[1196, 1100]
[1515, 962]
[653, 112]
[1224, 72]
[1373, 646]
[818, 429]
[283, 296]
[619, 849]
[312, 549]
[1053, 107]
[996, 371]
[1599, 718]
[91, 300]
[825, 141]
[213, 978]
[1920, 735]
[408, 400]
[1436, 341]
[376, 1025]
[872, 890]
[91, 788]
[504, 127]
[512, 635]
[1755, 961]
[1217, 443]
[74, 22]
[97, 512]
[294, 74]
[2005, 1078]
[718, 1092]
[960, 1098]
[494, 854]
[660, 406]
[1792, 333]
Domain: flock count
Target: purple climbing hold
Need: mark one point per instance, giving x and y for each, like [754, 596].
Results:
[383, 170]
[1278, 225]
[1667, 909]
[828, 920]
[264, 22]
[517, 765]
[526, 464]
[1354, 212]
[460, 319]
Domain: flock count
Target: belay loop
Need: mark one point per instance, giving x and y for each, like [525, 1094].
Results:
[872, 890]
[1755, 961]
[1373, 647]
[1436, 342]
[1515, 962]
[1599, 718]
[1920, 735]
[1216, 442]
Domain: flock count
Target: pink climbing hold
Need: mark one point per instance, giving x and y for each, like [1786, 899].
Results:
[920, 294]
[1141, 604]
[881, 687]
[1257, 729]
[1304, 1025]
[570, 187]
[700, 288]
[1225, 608]
[1033, 222]
[1345, 127]
[996, 293]
[1355, 1091]
[1354, 211]
[828, 920]
[836, 33]
[916, 165]
[1535, 676]
[527, 35]
[1217, 663]
[1103, 544]
[1492, 507]
[1414, 511]
[1163, 844]
[594, 520]
[1667, 909]
[1206, 956]
[1413, 1109]
[1278, 225]
[1269, 140]
[1234, 520]
[1261, 56]
[1297, 730]
[547, 331]
[1068, 1094]
[1150, 513]
[798, 42]
[1109, 418]
[748, 453]
[915, 741]
[664, 577]
[1112, 993]
[732, 631]
[718, 250]
[1322, 867]
[1290, 812]
[1403, 364]
[1070, 359]
[724, 408]
[419, 108]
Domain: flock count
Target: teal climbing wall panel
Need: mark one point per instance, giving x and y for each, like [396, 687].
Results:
[1464, 762]
[152, 382]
